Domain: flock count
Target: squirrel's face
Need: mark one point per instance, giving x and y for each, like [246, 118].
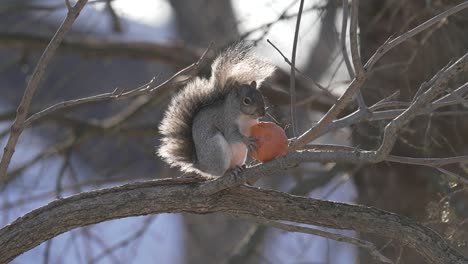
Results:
[251, 100]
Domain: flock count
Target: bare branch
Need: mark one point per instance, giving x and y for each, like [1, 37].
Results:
[453, 176]
[337, 237]
[67, 3]
[433, 162]
[328, 118]
[33, 83]
[27, 6]
[325, 90]
[283, 16]
[360, 116]
[138, 233]
[359, 80]
[175, 55]
[344, 27]
[145, 89]
[116, 24]
[439, 81]
[390, 44]
[333, 153]
[353, 37]
[293, 71]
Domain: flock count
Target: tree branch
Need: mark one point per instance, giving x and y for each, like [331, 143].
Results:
[390, 44]
[173, 54]
[438, 85]
[361, 116]
[145, 89]
[344, 27]
[360, 79]
[292, 87]
[187, 195]
[334, 236]
[23, 107]
[357, 62]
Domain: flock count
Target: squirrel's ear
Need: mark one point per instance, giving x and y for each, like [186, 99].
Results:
[236, 87]
[253, 84]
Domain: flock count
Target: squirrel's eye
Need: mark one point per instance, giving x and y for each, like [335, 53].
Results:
[247, 100]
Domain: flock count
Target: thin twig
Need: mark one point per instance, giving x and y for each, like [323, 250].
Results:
[328, 118]
[344, 50]
[390, 44]
[293, 71]
[359, 116]
[431, 162]
[67, 3]
[439, 81]
[337, 237]
[353, 40]
[47, 152]
[356, 84]
[453, 176]
[325, 90]
[116, 24]
[23, 107]
[61, 174]
[173, 54]
[125, 242]
[147, 88]
[458, 98]
[283, 16]
[385, 100]
[47, 250]
[449, 98]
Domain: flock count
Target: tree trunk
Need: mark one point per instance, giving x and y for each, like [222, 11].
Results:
[201, 22]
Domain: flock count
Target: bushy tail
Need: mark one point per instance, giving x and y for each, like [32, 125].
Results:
[239, 64]
[236, 64]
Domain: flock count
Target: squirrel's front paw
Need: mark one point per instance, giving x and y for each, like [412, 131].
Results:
[251, 143]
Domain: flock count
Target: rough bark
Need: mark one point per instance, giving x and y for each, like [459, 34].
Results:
[188, 196]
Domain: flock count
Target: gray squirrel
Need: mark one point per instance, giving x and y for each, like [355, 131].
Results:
[206, 128]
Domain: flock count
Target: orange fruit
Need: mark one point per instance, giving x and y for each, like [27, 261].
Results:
[271, 141]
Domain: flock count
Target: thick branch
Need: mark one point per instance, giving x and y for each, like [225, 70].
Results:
[186, 195]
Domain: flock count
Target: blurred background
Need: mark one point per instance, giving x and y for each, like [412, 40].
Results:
[124, 44]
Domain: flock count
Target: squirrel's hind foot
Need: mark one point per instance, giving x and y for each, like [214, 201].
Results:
[236, 170]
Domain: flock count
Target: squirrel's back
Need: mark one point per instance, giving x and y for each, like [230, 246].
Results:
[236, 64]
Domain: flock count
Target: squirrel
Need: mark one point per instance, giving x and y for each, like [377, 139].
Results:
[206, 128]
